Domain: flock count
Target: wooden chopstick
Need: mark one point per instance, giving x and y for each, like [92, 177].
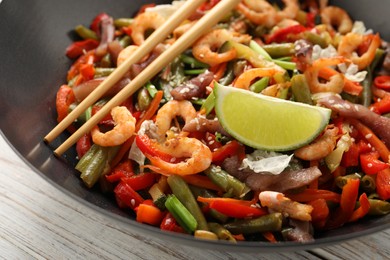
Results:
[158, 36]
[185, 41]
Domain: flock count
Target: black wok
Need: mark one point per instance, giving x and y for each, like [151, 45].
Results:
[33, 37]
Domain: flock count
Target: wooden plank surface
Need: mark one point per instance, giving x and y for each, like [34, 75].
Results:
[37, 221]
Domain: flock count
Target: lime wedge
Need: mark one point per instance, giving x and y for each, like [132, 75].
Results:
[268, 123]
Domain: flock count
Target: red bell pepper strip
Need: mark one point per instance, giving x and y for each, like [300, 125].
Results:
[87, 71]
[383, 184]
[362, 210]
[152, 109]
[371, 138]
[208, 5]
[169, 223]
[87, 58]
[382, 106]
[65, 97]
[140, 181]
[234, 208]
[320, 212]
[284, 34]
[382, 82]
[148, 146]
[78, 48]
[107, 120]
[229, 149]
[127, 197]
[348, 200]
[351, 157]
[122, 170]
[95, 25]
[370, 163]
[269, 236]
[312, 194]
[211, 141]
[149, 214]
[83, 145]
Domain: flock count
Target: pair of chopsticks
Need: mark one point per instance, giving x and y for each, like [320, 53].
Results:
[184, 42]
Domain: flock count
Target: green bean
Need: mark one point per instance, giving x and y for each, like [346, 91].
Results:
[198, 101]
[85, 33]
[125, 41]
[342, 180]
[245, 52]
[151, 89]
[229, 75]
[366, 95]
[315, 39]
[84, 117]
[386, 115]
[103, 72]
[123, 22]
[203, 234]
[143, 99]
[300, 89]
[182, 215]
[368, 184]
[194, 71]
[208, 104]
[288, 65]
[271, 222]
[277, 50]
[106, 62]
[197, 191]
[260, 50]
[259, 85]
[181, 190]
[226, 181]
[176, 76]
[378, 207]
[92, 164]
[194, 63]
[221, 232]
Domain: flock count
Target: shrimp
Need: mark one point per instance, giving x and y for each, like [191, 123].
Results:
[336, 82]
[336, 16]
[246, 78]
[179, 31]
[276, 90]
[321, 147]
[125, 53]
[205, 48]
[276, 201]
[350, 43]
[290, 10]
[124, 128]
[144, 22]
[197, 156]
[169, 111]
[261, 12]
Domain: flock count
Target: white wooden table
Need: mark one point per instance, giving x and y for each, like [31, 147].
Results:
[38, 221]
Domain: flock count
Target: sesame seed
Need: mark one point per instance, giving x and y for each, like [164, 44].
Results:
[368, 136]
[369, 165]
[132, 202]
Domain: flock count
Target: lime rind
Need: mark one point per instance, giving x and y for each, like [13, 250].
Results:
[268, 123]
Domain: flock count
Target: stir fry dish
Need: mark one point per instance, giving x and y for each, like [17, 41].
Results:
[273, 126]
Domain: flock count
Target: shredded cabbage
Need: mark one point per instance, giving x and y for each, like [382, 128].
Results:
[266, 162]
